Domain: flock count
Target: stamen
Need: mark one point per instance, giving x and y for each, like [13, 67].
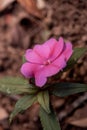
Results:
[42, 64]
[47, 62]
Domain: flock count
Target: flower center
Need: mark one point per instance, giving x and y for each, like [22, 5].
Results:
[47, 62]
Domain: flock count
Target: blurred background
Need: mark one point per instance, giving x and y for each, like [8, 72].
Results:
[26, 23]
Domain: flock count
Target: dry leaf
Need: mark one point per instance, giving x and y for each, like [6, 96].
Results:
[31, 7]
[79, 118]
[5, 3]
[80, 122]
[3, 114]
[41, 4]
[1, 128]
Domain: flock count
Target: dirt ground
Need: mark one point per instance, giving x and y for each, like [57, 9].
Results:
[21, 29]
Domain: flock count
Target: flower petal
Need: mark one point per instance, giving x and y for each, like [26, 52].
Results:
[42, 50]
[32, 56]
[40, 80]
[68, 51]
[51, 43]
[60, 62]
[50, 70]
[55, 46]
[59, 47]
[53, 68]
[28, 69]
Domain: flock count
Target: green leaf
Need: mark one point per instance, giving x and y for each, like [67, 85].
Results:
[43, 99]
[49, 121]
[66, 89]
[23, 59]
[13, 80]
[78, 52]
[15, 85]
[22, 104]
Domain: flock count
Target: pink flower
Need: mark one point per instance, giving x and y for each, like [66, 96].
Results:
[46, 60]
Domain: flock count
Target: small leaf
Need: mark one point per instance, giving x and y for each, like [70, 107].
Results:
[23, 59]
[15, 85]
[78, 52]
[66, 89]
[48, 121]
[22, 104]
[43, 99]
